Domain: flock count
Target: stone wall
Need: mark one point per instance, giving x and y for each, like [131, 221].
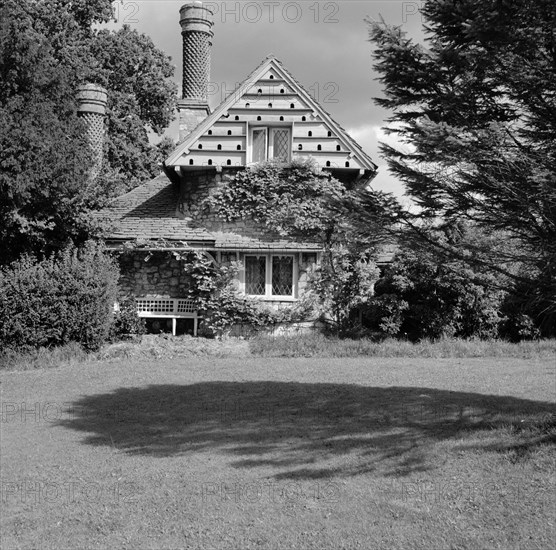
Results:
[161, 276]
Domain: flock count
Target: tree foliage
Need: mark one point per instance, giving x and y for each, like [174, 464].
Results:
[48, 48]
[423, 296]
[475, 110]
[343, 284]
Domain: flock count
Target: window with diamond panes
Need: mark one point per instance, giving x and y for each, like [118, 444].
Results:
[282, 275]
[281, 144]
[255, 275]
[271, 143]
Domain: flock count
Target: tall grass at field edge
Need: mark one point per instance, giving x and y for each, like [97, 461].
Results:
[318, 345]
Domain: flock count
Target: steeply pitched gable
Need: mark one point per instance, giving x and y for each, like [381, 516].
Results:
[268, 99]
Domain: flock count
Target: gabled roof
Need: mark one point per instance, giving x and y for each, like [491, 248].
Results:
[234, 99]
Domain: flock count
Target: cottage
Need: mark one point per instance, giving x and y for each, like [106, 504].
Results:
[269, 116]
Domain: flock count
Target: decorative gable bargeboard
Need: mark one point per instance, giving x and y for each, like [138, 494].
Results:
[269, 117]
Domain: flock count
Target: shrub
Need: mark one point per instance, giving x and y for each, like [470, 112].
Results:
[425, 297]
[61, 299]
[342, 283]
[126, 322]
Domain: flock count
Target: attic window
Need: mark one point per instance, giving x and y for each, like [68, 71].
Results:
[259, 118]
[270, 143]
[270, 105]
[327, 163]
[236, 117]
[271, 77]
[303, 118]
[329, 133]
[247, 105]
[281, 90]
[200, 145]
[229, 162]
[219, 147]
[309, 133]
[319, 147]
[229, 132]
[281, 118]
[238, 147]
[190, 161]
[300, 147]
[210, 162]
[210, 132]
[259, 91]
[338, 148]
[292, 105]
[347, 164]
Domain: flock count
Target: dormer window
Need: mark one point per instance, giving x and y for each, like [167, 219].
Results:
[270, 143]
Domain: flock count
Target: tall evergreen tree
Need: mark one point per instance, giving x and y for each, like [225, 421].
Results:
[476, 108]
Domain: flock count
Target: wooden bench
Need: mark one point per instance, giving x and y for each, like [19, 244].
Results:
[168, 308]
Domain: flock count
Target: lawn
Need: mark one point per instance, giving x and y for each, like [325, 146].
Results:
[247, 452]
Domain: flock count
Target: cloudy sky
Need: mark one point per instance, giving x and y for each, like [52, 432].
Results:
[323, 44]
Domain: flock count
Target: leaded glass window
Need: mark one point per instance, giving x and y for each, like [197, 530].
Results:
[282, 275]
[281, 144]
[255, 275]
[259, 144]
[271, 143]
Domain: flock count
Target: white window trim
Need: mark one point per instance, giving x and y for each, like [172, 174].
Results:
[269, 134]
[268, 296]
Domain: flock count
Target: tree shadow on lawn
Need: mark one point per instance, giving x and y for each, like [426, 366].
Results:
[305, 430]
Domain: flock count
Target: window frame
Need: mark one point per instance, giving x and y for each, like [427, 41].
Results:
[269, 130]
[268, 295]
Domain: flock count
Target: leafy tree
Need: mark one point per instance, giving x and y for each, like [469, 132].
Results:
[476, 110]
[141, 101]
[47, 48]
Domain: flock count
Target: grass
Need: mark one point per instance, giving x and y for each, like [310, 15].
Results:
[249, 452]
[69, 354]
[164, 346]
[318, 345]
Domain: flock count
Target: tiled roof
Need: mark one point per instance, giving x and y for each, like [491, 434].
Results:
[149, 212]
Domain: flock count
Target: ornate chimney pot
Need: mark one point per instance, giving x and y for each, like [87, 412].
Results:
[92, 100]
[196, 29]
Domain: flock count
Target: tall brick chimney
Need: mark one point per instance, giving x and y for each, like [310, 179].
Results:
[92, 101]
[196, 29]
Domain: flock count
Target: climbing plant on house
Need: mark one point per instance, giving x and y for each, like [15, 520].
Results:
[299, 201]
